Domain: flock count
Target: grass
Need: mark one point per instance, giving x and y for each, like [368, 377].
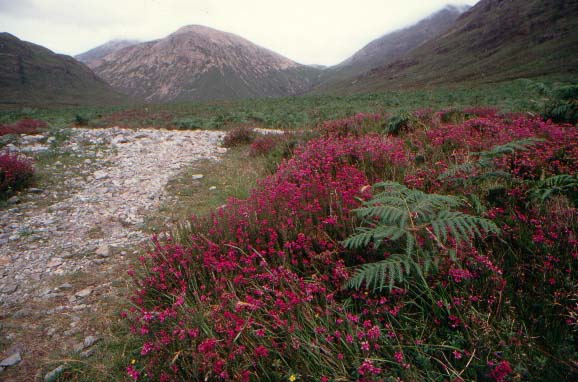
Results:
[232, 176]
[292, 112]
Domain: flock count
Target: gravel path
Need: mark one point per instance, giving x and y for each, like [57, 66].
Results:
[90, 222]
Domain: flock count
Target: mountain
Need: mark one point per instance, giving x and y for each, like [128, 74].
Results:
[392, 46]
[32, 74]
[201, 63]
[92, 57]
[495, 40]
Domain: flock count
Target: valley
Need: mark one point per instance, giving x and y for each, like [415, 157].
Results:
[187, 204]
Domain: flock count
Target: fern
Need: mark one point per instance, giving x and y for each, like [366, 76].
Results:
[486, 159]
[561, 103]
[399, 217]
[557, 185]
[400, 123]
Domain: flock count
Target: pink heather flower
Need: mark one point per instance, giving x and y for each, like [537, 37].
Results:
[365, 346]
[374, 333]
[146, 348]
[368, 368]
[148, 316]
[500, 371]
[398, 357]
[457, 354]
[460, 274]
[261, 351]
[260, 332]
[132, 372]
[207, 345]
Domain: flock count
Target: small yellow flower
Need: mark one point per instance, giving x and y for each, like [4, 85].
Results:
[292, 378]
[133, 362]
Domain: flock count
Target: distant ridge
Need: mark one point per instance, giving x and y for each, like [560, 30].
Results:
[32, 74]
[92, 56]
[495, 40]
[393, 46]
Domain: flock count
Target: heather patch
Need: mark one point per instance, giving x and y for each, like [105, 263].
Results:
[484, 286]
[16, 172]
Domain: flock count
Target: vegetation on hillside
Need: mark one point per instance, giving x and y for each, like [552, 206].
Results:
[494, 41]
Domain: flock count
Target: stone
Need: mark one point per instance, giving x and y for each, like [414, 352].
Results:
[103, 251]
[53, 375]
[23, 313]
[84, 292]
[14, 359]
[66, 255]
[35, 190]
[9, 288]
[90, 340]
[65, 286]
[87, 353]
[54, 262]
[212, 188]
[100, 175]
[14, 200]
[197, 176]
[5, 260]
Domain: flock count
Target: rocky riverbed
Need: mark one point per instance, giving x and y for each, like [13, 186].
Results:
[61, 247]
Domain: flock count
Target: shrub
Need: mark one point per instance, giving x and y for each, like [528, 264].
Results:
[15, 173]
[265, 144]
[80, 120]
[356, 125]
[24, 126]
[275, 148]
[189, 123]
[239, 136]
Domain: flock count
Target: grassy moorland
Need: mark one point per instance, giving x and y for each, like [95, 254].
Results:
[396, 244]
[296, 112]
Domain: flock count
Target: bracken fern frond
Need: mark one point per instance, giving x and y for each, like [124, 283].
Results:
[399, 217]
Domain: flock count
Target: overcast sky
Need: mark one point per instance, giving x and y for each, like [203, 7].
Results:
[307, 31]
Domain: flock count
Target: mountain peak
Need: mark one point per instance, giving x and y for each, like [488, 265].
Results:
[199, 62]
[197, 28]
[461, 8]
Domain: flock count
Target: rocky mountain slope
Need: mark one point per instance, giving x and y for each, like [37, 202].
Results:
[201, 63]
[32, 74]
[393, 46]
[495, 40]
[92, 57]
